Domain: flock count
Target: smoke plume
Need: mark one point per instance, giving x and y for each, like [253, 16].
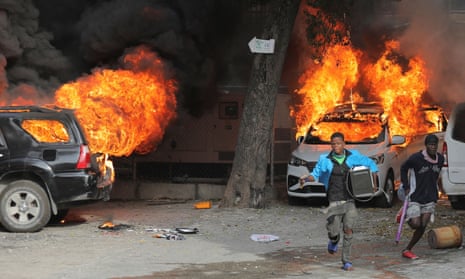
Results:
[424, 28]
[436, 36]
[45, 43]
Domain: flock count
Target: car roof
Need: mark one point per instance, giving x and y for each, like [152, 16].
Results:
[33, 111]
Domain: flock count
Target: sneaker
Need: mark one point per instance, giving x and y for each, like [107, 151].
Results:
[332, 247]
[348, 266]
[409, 255]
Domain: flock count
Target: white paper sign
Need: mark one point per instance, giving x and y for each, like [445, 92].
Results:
[261, 46]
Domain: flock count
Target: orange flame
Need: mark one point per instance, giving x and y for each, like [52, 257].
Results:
[399, 89]
[46, 130]
[323, 87]
[107, 225]
[123, 111]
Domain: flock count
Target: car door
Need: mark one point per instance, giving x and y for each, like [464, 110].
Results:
[455, 139]
[4, 154]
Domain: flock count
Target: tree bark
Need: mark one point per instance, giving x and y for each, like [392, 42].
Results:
[246, 184]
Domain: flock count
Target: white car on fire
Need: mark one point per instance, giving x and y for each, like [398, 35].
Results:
[366, 129]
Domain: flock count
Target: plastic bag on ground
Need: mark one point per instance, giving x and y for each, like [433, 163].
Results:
[264, 237]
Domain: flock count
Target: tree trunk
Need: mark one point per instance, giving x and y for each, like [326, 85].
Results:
[246, 185]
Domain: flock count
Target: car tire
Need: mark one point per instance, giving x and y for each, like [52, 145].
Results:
[457, 203]
[24, 207]
[386, 200]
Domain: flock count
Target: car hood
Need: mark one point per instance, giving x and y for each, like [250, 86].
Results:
[311, 152]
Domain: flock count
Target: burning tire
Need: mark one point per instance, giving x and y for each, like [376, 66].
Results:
[24, 207]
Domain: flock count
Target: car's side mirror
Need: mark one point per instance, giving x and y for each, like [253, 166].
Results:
[300, 139]
[396, 140]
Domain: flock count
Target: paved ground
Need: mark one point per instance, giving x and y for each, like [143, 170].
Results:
[222, 248]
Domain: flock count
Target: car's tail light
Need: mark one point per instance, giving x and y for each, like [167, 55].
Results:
[84, 161]
[444, 152]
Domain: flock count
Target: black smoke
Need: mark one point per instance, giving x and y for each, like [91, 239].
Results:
[46, 43]
[429, 29]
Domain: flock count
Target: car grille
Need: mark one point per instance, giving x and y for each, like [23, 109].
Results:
[312, 189]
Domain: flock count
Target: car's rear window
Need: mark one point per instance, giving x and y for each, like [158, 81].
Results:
[46, 131]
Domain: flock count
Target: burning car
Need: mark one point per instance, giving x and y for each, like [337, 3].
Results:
[366, 128]
[46, 167]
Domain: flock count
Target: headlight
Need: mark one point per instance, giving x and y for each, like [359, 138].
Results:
[378, 159]
[295, 161]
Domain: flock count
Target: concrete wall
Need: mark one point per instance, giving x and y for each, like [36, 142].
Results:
[148, 190]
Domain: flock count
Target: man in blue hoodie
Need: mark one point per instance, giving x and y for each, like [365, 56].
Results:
[332, 169]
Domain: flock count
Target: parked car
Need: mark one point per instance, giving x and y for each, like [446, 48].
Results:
[45, 167]
[380, 146]
[453, 172]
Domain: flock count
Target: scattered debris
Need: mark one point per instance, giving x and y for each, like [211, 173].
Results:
[155, 230]
[187, 230]
[108, 225]
[203, 205]
[169, 236]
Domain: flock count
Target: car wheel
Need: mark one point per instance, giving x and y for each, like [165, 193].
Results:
[386, 199]
[24, 207]
[61, 214]
[457, 203]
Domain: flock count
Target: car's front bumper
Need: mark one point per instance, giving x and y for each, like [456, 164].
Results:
[309, 189]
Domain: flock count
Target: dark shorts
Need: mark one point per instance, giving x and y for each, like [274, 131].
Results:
[415, 209]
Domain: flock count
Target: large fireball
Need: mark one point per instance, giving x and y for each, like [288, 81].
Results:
[123, 110]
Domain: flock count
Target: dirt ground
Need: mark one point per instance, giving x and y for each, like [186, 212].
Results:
[222, 247]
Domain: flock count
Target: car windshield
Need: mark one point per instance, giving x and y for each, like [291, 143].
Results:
[358, 128]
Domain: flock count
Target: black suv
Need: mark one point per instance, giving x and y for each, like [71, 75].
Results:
[46, 167]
